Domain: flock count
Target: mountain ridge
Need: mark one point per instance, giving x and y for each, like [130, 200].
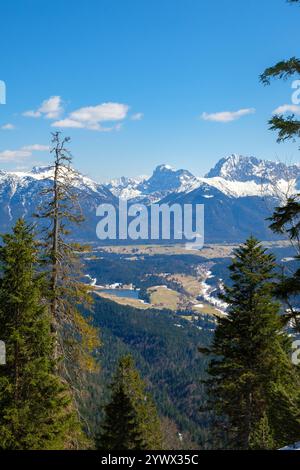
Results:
[232, 206]
[234, 175]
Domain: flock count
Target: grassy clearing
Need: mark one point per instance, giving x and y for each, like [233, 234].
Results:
[209, 251]
[124, 300]
[162, 297]
[191, 284]
[207, 309]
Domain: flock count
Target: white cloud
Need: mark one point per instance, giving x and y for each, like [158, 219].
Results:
[31, 113]
[50, 109]
[292, 108]
[92, 117]
[7, 127]
[8, 155]
[68, 123]
[227, 116]
[100, 113]
[137, 116]
[23, 152]
[36, 148]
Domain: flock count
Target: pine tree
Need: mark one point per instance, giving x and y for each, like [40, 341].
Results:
[75, 338]
[262, 438]
[286, 221]
[120, 429]
[287, 127]
[35, 408]
[251, 373]
[131, 420]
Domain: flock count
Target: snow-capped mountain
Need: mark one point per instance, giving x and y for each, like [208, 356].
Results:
[241, 176]
[20, 196]
[164, 180]
[238, 194]
[235, 176]
[240, 168]
[126, 188]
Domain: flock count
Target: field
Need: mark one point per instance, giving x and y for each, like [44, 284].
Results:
[169, 276]
[209, 251]
[122, 300]
[163, 297]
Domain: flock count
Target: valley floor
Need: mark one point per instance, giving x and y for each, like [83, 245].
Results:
[190, 291]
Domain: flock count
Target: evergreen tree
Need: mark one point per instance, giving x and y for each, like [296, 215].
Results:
[287, 127]
[35, 408]
[120, 429]
[286, 220]
[251, 373]
[131, 420]
[262, 438]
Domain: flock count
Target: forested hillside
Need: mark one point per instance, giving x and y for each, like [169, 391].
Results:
[166, 352]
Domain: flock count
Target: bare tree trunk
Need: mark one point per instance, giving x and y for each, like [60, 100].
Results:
[66, 289]
[54, 276]
[17, 365]
[248, 419]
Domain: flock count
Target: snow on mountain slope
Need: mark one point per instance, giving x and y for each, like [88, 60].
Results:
[126, 188]
[20, 195]
[232, 192]
[240, 168]
[295, 446]
[251, 188]
[164, 180]
[44, 173]
[235, 176]
[37, 173]
[241, 176]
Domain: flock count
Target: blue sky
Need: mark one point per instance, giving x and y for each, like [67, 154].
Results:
[131, 80]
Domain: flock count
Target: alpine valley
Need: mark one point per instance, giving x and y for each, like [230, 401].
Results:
[160, 302]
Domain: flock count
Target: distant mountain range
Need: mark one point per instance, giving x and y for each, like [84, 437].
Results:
[238, 193]
[235, 176]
